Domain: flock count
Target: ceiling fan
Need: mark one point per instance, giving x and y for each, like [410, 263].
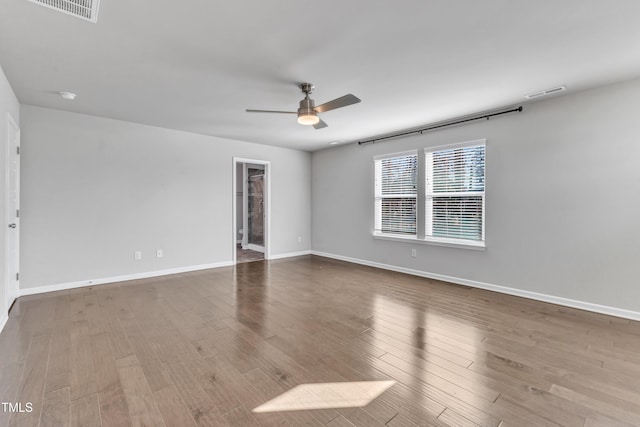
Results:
[308, 112]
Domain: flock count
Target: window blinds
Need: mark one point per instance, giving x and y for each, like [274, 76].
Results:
[455, 193]
[396, 194]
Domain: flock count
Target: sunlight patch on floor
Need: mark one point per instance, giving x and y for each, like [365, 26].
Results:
[326, 396]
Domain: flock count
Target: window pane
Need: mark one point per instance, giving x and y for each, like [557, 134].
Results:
[457, 217]
[459, 169]
[398, 175]
[398, 215]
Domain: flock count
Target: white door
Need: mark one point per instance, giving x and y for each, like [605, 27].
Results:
[13, 210]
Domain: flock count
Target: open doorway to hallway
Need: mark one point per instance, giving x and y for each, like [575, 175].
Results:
[251, 213]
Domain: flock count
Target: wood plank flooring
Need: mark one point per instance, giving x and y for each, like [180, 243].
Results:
[206, 348]
[248, 255]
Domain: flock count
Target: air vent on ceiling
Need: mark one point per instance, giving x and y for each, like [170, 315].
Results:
[546, 92]
[83, 9]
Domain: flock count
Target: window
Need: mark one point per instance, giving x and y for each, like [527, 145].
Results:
[396, 194]
[454, 196]
[444, 206]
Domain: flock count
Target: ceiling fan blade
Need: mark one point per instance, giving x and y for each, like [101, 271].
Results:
[271, 111]
[320, 125]
[343, 101]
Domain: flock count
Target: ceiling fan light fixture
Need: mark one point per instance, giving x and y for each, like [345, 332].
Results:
[307, 114]
[308, 118]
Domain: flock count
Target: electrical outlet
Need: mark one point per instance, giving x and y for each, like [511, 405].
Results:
[137, 255]
[413, 253]
[159, 253]
[299, 239]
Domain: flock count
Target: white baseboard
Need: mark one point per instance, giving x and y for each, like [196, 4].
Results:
[145, 275]
[3, 321]
[135, 276]
[290, 254]
[567, 302]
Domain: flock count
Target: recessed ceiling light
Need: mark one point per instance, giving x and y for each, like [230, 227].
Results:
[68, 95]
[545, 92]
[334, 143]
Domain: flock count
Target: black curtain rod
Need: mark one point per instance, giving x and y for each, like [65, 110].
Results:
[450, 123]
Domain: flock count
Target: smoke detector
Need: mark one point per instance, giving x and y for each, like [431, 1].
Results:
[83, 9]
[69, 96]
[546, 92]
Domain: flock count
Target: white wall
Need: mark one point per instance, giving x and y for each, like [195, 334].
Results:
[95, 190]
[8, 105]
[562, 200]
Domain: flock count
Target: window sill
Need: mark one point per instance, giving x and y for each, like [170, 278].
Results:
[476, 246]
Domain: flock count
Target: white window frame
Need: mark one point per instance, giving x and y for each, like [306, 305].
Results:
[429, 196]
[423, 198]
[378, 198]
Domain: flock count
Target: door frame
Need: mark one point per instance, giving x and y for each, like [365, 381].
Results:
[12, 290]
[267, 204]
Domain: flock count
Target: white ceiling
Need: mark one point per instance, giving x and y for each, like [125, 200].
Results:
[196, 65]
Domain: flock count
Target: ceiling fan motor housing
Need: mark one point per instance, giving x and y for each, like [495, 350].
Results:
[306, 113]
[307, 107]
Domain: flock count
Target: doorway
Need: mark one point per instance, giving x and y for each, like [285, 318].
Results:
[254, 218]
[250, 210]
[12, 194]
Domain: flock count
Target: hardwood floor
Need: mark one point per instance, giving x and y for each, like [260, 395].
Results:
[247, 255]
[207, 348]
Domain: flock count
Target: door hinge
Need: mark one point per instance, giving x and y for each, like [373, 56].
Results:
[17, 213]
[18, 150]
[17, 276]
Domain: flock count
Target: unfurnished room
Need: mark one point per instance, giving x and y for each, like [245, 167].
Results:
[336, 213]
